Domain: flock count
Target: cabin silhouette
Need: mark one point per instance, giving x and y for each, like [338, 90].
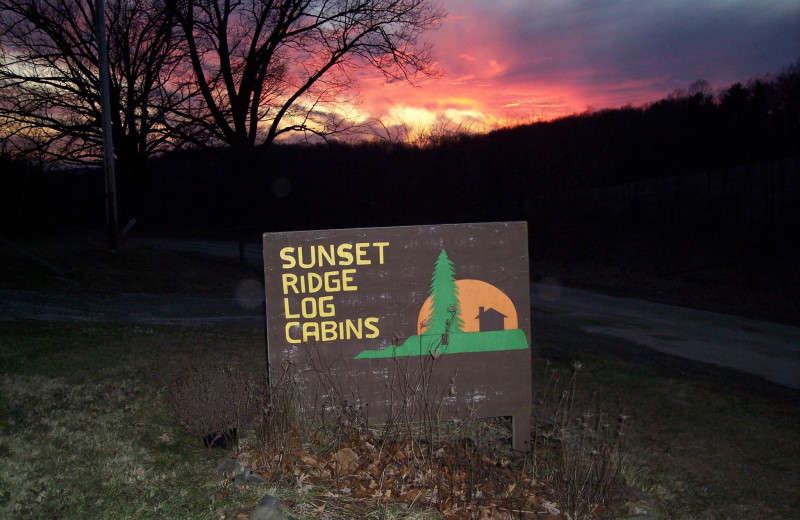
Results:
[490, 319]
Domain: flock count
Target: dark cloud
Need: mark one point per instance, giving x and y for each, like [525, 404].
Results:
[507, 61]
[665, 44]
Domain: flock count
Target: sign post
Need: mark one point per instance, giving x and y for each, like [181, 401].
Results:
[439, 315]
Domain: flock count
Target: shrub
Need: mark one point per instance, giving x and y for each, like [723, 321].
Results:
[212, 400]
[579, 455]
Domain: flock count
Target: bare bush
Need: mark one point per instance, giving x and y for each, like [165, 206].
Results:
[212, 400]
[464, 467]
[284, 421]
[460, 466]
[579, 455]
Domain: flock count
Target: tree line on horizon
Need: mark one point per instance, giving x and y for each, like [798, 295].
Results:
[194, 74]
[689, 181]
[210, 74]
[202, 89]
[530, 172]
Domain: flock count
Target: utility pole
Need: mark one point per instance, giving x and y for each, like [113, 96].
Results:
[108, 144]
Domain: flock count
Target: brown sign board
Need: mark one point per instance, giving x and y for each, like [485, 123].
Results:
[436, 316]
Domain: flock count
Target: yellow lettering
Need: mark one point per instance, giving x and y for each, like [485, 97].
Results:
[288, 314]
[347, 280]
[310, 330]
[361, 253]
[289, 280]
[326, 307]
[286, 254]
[329, 255]
[312, 287]
[289, 326]
[311, 307]
[354, 328]
[329, 281]
[332, 286]
[308, 306]
[321, 256]
[380, 246]
[345, 256]
[371, 324]
[328, 330]
[305, 265]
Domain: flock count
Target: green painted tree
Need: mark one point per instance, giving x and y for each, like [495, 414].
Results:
[445, 315]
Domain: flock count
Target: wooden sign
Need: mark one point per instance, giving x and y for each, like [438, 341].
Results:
[435, 318]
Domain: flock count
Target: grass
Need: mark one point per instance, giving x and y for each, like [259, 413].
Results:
[83, 263]
[703, 442]
[698, 446]
[84, 432]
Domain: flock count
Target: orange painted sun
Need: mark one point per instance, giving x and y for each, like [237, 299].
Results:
[472, 295]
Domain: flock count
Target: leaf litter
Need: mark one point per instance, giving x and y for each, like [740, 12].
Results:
[455, 478]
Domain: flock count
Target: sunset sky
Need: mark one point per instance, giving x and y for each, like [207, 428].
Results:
[514, 61]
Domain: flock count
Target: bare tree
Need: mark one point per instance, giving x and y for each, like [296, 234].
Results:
[49, 80]
[441, 131]
[270, 67]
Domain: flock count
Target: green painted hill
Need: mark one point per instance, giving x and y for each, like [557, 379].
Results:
[458, 343]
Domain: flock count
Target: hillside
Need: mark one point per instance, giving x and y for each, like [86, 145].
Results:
[694, 198]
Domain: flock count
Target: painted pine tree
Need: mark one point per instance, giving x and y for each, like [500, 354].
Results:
[445, 315]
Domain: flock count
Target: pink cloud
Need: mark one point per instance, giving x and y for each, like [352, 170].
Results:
[520, 60]
[475, 57]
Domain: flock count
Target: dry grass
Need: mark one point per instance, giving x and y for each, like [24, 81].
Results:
[699, 445]
[82, 429]
[578, 450]
[84, 433]
[346, 468]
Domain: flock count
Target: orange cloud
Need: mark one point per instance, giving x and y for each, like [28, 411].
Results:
[525, 61]
[475, 91]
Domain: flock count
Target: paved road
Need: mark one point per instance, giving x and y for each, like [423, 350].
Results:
[560, 317]
[252, 252]
[162, 309]
[571, 316]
